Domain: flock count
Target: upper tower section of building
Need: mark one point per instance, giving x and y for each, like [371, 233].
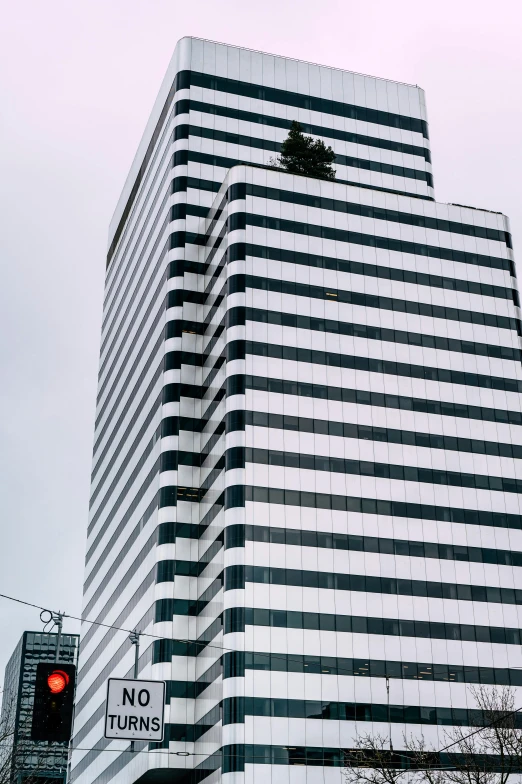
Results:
[242, 102]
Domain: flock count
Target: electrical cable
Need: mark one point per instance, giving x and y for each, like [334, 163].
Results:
[234, 650]
[186, 753]
[480, 729]
[285, 657]
[52, 749]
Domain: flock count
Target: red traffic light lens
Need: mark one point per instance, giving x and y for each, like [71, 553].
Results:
[57, 681]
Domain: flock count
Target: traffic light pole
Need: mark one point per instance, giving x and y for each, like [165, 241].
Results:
[58, 619]
[52, 620]
[134, 637]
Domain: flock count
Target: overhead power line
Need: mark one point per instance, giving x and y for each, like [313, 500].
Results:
[232, 650]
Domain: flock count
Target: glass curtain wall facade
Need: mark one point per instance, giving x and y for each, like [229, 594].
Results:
[305, 477]
[27, 759]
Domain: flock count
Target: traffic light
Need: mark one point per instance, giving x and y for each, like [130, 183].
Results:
[53, 702]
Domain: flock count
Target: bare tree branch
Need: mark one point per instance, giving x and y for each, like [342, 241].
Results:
[21, 758]
[372, 761]
[489, 755]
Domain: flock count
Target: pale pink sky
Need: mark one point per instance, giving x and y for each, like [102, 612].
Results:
[77, 81]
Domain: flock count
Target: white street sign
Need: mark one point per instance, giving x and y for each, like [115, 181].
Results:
[134, 709]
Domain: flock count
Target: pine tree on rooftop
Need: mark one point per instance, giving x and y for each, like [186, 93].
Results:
[302, 154]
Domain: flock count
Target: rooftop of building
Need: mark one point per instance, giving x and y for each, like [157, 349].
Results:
[297, 60]
[183, 46]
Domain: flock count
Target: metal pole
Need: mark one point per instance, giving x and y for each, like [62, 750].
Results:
[136, 656]
[134, 637]
[389, 715]
[58, 619]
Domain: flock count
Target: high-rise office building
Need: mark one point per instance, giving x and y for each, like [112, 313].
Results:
[22, 759]
[305, 484]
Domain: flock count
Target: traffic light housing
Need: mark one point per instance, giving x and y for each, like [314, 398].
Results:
[53, 702]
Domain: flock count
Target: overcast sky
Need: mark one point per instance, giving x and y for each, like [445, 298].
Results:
[77, 81]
